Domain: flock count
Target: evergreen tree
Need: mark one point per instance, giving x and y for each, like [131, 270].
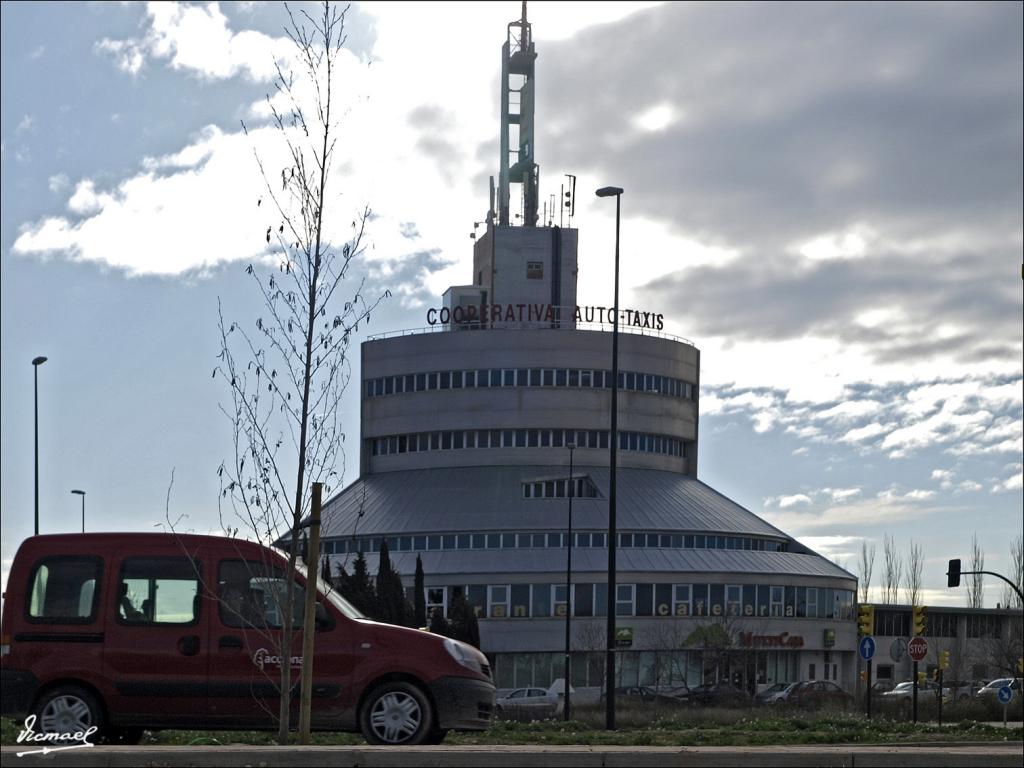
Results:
[464, 624]
[390, 593]
[360, 588]
[439, 624]
[325, 573]
[419, 596]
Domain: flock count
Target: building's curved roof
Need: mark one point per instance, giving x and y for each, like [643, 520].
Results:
[444, 500]
[528, 562]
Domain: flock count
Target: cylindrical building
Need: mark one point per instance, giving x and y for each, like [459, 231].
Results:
[464, 456]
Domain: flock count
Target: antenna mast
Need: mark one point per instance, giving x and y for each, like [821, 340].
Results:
[517, 100]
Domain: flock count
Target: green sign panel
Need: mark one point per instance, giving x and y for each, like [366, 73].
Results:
[623, 637]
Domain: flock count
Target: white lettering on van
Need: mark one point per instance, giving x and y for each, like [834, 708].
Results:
[264, 658]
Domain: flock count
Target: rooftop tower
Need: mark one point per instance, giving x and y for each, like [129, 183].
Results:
[517, 99]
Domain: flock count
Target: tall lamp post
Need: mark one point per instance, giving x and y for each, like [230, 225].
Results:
[82, 494]
[609, 672]
[36, 362]
[568, 586]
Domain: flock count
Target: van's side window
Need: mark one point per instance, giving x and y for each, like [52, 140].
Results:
[252, 594]
[64, 590]
[158, 590]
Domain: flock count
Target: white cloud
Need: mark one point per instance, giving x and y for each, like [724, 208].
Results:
[1014, 482]
[842, 494]
[85, 201]
[657, 118]
[26, 124]
[196, 39]
[37, 52]
[795, 500]
[852, 244]
[867, 432]
[58, 182]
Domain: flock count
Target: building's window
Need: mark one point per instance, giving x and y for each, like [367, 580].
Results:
[540, 606]
[732, 600]
[535, 377]
[663, 600]
[716, 599]
[479, 540]
[558, 599]
[811, 674]
[681, 603]
[436, 601]
[624, 599]
[777, 600]
[789, 608]
[520, 601]
[493, 540]
[497, 601]
[762, 600]
[495, 377]
[700, 599]
[433, 542]
[749, 599]
[801, 602]
[644, 599]
[583, 599]
[482, 377]
[549, 377]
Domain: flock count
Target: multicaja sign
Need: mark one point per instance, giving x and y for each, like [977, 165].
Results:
[541, 313]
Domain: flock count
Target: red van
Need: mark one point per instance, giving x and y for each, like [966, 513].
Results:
[133, 631]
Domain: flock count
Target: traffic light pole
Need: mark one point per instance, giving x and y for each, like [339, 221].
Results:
[869, 689]
[940, 697]
[915, 693]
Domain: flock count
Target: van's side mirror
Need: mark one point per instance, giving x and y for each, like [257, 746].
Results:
[324, 620]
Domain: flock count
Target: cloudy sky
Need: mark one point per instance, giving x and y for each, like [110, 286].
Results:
[826, 199]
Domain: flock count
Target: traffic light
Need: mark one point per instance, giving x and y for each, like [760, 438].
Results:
[953, 574]
[943, 659]
[864, 675]
[920, 620]
[865, 620]
[921, 678]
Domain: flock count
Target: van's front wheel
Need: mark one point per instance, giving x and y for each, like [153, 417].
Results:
[398, 714]
[68, 709]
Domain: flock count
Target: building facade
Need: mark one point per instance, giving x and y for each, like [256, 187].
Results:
[469, 427]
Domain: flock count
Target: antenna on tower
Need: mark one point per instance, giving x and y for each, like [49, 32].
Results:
[517, 166]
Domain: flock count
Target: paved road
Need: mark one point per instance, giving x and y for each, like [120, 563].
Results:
[1009, 754]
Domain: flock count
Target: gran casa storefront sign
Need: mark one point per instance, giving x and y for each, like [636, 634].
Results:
[781, 640]
[542, 313]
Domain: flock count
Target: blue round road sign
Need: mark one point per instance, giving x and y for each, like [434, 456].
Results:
[867, 648]
[1005, 694]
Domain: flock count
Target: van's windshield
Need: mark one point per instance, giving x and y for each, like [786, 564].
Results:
[334, 596]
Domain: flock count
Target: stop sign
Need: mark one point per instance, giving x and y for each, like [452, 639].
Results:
[918, 648]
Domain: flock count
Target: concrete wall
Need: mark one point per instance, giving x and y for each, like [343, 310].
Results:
[525, 407]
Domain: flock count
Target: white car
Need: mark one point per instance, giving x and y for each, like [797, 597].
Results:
[536, 703]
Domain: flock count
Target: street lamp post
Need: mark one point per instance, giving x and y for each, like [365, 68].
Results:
[609, 671]
[36, 362]
[568, 587]
[82, 494]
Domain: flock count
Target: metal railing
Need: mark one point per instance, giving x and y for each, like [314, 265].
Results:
[565, 325]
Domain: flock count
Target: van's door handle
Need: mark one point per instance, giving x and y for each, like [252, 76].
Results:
[189, 645]
[230, 641]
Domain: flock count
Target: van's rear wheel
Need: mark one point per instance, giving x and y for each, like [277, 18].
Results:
[68, 709]
[397, 713]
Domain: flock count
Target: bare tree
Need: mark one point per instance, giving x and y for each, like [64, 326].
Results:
[867, 567]
[1010, 598]
[286, 375]
[915, 564]
[892, 573]
[975, 589]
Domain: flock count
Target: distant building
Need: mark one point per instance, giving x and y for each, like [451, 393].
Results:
[983, 643]
[465, 432]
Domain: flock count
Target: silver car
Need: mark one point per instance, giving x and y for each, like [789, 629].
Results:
[536, 703]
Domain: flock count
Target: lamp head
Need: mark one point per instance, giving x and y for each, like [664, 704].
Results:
[571, 446]
[609, 191]
[80, 493]
[38, 360]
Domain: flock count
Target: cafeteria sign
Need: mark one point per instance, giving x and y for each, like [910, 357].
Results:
[623, 637]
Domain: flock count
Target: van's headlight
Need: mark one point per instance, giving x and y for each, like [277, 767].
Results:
[463, 654]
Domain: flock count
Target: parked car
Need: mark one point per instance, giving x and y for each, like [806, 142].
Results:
[769, 694]
[960, 690]
[881, 686]
[648, 695]
[717, 695]
[129, 631]
[993, 688]
[818, 693]
[537, 703]
[904, 692]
